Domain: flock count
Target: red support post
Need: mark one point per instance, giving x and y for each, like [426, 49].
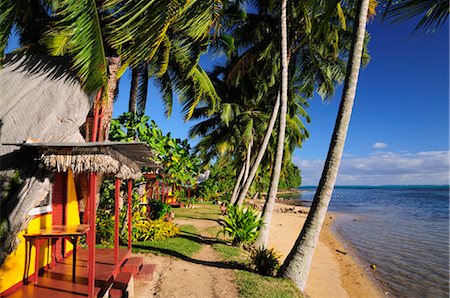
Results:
[116, 221]
[162, 192]
[157, 190]
[130, 188]
[189, 193]
[91, 233]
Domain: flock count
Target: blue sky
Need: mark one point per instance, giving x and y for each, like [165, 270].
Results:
[399, 132]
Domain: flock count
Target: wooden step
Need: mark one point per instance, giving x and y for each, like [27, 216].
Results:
[147, 271]
[133, 265]
[123, 284]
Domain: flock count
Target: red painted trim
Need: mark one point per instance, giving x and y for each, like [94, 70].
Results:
[91, 234]
[130, 188]
[116, 222]
[42, 214]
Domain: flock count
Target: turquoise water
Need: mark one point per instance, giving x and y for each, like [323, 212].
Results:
[403, 230]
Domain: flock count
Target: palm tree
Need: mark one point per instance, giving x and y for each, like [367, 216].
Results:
[275, 178]
[434, 12]
[298, 262]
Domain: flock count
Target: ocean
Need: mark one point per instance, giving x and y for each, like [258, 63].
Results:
[403, 230]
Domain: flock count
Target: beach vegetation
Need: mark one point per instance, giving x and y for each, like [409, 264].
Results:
[252, 285]
[154, 230]
[265, 261]
[241, 224]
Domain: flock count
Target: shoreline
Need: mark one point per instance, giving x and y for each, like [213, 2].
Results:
[335, 270]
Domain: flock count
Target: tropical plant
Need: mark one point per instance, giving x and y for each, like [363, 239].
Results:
[180, 166]
[154, 230]
[298, 262]
[158, 209]
[241, 224]
[266, 261]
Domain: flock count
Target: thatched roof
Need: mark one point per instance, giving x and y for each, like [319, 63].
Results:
[121, 160]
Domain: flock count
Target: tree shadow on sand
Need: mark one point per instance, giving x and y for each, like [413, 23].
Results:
[216, 264]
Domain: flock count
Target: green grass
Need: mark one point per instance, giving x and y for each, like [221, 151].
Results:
[230, 253]
[201, 211]
[252, 285]
[172, 246]
[215, 231]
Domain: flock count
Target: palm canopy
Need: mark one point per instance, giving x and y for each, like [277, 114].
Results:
[90, 31]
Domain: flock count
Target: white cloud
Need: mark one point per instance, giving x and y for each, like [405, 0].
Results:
[379, 145]
[384, 168]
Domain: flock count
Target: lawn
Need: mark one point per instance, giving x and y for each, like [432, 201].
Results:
[250, 284]
[177, 246]
[207, 211]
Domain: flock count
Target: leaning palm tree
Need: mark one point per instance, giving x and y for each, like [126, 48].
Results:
[298, 262]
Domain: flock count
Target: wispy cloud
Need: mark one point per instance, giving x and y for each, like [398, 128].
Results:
[379, 145]
[384, 168]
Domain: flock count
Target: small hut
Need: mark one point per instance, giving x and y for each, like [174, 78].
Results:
[42, 155]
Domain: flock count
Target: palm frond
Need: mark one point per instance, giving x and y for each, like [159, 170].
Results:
[141, 100]
[434, 12]
[77, 32]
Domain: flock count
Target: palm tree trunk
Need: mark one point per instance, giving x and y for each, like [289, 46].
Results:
[275, 178]
[237, 185]
[107, 106]
[248, 162]
[134, 89]
[298, 262]
[261, 152]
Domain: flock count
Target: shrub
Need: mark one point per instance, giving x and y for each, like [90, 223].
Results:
[241, 224]
[158, 209]
[266, 261]
[153, 230]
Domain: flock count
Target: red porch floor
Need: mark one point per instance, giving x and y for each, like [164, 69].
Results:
[57, 282]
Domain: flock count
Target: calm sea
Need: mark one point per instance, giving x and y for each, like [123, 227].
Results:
[404, 230]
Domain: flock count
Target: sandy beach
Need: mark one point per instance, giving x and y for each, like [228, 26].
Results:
[333, 273]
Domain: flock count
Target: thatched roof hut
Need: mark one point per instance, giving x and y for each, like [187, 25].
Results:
[120, 160]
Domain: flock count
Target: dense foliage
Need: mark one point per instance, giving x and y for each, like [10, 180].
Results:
[241, 224]
[180, 166]
[154, 230]
[158, 209]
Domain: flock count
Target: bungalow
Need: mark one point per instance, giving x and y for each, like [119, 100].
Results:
[48, 175]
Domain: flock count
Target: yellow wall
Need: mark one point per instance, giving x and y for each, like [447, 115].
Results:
[12, 269]
[73, 217]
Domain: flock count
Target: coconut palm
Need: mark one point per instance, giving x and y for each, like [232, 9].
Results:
[314, 55]
[297, 264]
[434, 12]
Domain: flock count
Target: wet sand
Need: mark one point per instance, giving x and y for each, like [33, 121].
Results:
[334, 271]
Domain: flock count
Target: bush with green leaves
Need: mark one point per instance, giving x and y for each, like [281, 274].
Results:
[158, 209]
[265, 261]
[241, 224]
[154, 230]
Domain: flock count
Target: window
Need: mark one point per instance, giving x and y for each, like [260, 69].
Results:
[44, 206]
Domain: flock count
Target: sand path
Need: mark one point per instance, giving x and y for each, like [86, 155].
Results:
[332, 274]
[196, 277]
